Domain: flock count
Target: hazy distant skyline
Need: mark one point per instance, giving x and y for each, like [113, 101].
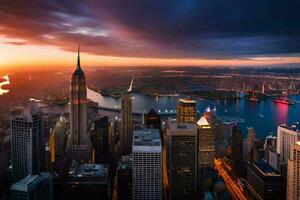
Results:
[149, 32]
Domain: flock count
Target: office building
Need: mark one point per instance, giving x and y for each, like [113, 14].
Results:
[87, 181]
[286, 138]
[79, 147]
[126, 123]
[237, 144]
[251, 137]
[265, 182]
[182, 155]
[147, 165]
[186, 111]
[100, 140]
[293, 173]
[26, 141]
[33, 187]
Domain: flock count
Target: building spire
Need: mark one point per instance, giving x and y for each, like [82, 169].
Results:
[131, 85]
[78, 57]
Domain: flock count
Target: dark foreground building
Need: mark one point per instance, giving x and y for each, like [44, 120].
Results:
[87, 181]
[266, 181]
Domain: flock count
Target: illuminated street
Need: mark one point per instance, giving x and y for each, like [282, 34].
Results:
[232, 186]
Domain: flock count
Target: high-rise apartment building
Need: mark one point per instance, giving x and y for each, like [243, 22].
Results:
[126, 123]
[293, 173]
[286, 138]
[78, 142]
[186, 111]
[26, 141]
[147, 165]
[182, 146]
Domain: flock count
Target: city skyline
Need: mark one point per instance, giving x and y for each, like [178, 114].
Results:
[171, 33]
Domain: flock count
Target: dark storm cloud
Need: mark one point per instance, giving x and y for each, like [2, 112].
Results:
[155, 28]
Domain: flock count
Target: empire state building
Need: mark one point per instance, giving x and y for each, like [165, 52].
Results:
[78, 142]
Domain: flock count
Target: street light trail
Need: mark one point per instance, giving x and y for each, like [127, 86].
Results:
[230, 183]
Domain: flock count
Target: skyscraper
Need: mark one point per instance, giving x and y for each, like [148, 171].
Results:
[186, 111]
[293, 173]
[286, 138]
[147, 165]
[251, 136]
[206, 153]
[126, 126]
[78, 142]
[237, 144]
[100, 140]
[182, 145]
[26, 136]
[206, 143]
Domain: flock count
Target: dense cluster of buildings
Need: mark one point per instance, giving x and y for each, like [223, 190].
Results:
[83, 154]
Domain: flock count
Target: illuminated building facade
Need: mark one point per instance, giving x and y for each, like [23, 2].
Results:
[206, 154]
[182, 147]
[293, 173]
[186, 111]
[78, 142]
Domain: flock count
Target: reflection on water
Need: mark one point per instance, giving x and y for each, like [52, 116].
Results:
[263, 116]
[5, 82]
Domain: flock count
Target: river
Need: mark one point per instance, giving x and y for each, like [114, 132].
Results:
[263, 116]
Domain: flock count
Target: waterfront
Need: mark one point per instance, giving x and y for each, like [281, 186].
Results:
[264, 116]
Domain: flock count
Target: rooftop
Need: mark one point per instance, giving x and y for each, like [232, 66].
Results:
[203, 123]
[265, 168]
[182, 129]
[79, 170]
[294, 127]
[25, 183]
[146, 140]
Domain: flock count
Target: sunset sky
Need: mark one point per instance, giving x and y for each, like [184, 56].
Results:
[44, 33]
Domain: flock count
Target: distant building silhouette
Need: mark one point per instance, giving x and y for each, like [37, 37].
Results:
[152, 120]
